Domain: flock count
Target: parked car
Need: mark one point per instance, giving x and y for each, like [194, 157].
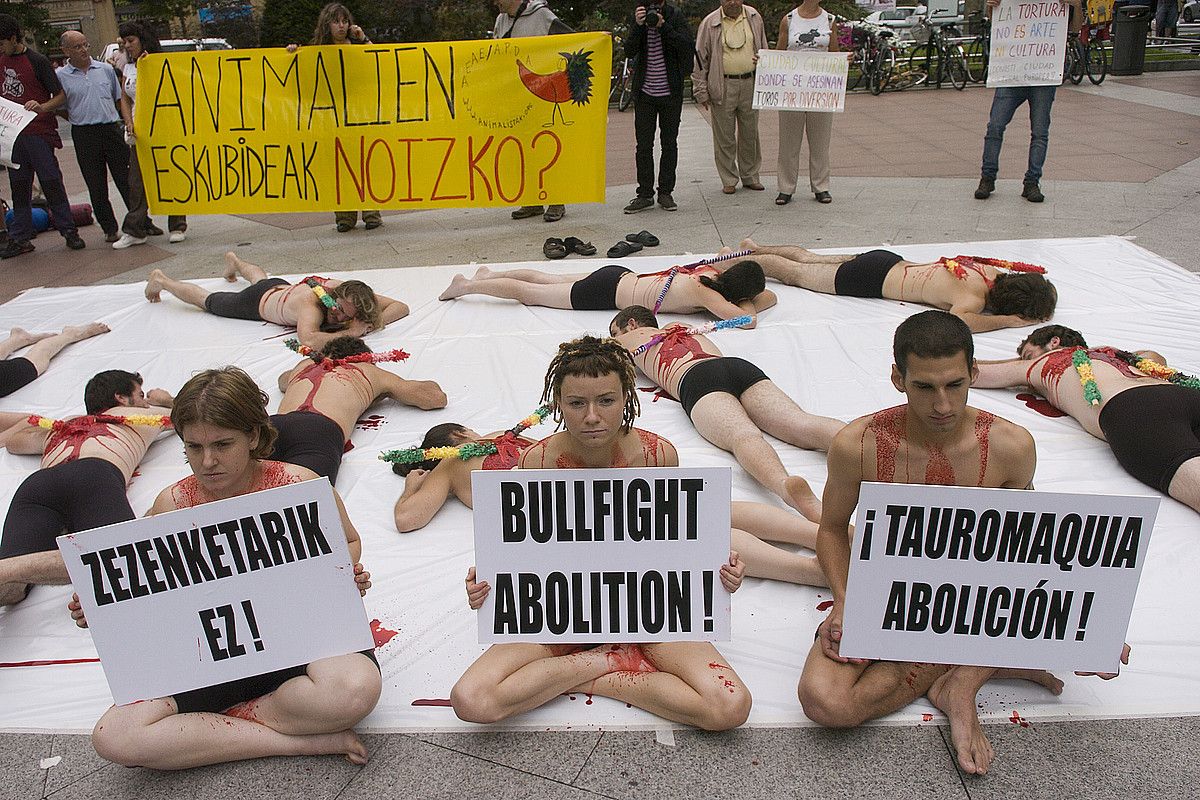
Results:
[174, 46]
[1191, 11]
[900, 19]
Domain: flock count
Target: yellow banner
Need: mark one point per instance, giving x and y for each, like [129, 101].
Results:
[438, 125]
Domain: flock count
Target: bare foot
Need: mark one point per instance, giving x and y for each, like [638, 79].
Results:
[724, 251]
[457, 288]
[1038, 676]
[345, 742]
[77, 333]
[747, 244]
[154, 285]
[19, 337]
[232, 267]
[799, 495]
[954, 695]
[483, 273]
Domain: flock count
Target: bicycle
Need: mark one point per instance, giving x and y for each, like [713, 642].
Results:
[1073, 67]
[978, 50]
[1095, 56]
[940, 59]
[883, 69]
[621, 92]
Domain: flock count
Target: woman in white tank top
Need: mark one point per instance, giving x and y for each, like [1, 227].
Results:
[806, 27]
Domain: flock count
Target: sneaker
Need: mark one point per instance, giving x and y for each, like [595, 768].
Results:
[525, 212]
[372, 224]
[176, 237]
[985, 188]
[639, 204]
[554, 213]
[16, 248]
[74, 241]
[112, 237]
[666, 201]
[1032, 192]
[153, 230]
[345, 227]
[128, 241]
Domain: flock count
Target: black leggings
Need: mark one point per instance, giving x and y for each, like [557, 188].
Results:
[309, 439]
[1153, 430]
[15, 373]
[598, 291]
[67, 498]
[728, 374]
[863, 275]
[243, 304]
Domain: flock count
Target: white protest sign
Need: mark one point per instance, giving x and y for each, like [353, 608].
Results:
[13, 119]
[1029, 43]
[994, 577]
[222, 591]
[800, 80]
[602, 555]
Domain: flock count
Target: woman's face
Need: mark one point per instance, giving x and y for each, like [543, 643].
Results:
[339, 29]
[133, 46]
[592, 408]
[219, 457]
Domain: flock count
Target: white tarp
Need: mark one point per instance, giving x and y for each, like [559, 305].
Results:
[831, 354]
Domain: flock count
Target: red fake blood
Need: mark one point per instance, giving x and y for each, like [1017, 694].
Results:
[381, 634]
[49, 662]
[659, 394]
[628, 658]
[888, 428]
[983, 426]
[650, 447]
[589, 699]
[711, 665]
[938, 471]
[432, 701]
[1040, 405]
[927, 717]
[824, 605]
[137, 473]
[348, 446]
[1017, 719]
[244, 710]
[373, 422]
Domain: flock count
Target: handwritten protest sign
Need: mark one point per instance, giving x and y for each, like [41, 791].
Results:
[1029, 41]
[994, 577]
[800, 80]
[13, 119]
[437, 125]
[223, 591]
[604, 555]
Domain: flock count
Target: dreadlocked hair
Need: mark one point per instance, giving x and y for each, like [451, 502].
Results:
[594, 358]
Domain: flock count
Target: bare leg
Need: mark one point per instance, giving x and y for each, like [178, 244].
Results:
[792, 253]
[16, 573]
[528, 275]
[234, 266]
[40, 354]
[954, 695]
[692, 683]
[777, 414]
[763, 560]
[1185, 486]
[18, 338]
[554, 295]
[187, 292]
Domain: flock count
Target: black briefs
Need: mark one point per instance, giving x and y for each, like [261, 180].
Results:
[67, 498]
[309, 439]
[598, 291]
[1152, 430]
[728, 374]
[243, 304]
[227, 695]
[863, 275]
[15, 373]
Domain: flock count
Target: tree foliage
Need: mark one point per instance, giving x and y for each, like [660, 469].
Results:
[31, 15]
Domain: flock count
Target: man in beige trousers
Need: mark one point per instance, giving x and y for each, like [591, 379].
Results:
[727, 45]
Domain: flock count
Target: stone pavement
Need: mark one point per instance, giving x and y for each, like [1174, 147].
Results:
[1123, 160]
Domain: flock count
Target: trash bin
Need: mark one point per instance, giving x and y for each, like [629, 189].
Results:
[1131, 24]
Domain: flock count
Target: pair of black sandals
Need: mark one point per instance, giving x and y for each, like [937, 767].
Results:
[632, 243]
[561, 248]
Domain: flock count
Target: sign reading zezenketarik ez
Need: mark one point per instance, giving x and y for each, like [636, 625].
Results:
[435, 125]
[994, 577]
[603, 555]
[222, 591]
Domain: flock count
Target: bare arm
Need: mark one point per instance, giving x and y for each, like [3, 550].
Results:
[308, 327]
[127, 112]
[29, 440]
[833, 535]
[424, 495]
[982, 323]
[286, 376]
[721, 308]
[1001, 374]
[425, 395]
[760, 302]
[390, 310]
[351, 532]
[163, 503]
[782, 42]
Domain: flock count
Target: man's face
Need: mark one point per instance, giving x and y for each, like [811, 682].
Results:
[75, 45]
[937, 391]
[731, 8]
[1030, 351]
[342, 313]
[136, 400]
[8, 47]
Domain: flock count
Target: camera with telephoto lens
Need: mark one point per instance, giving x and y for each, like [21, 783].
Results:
[653, 14]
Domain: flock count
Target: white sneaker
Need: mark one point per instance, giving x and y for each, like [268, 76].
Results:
[128, 241]
[176, 237]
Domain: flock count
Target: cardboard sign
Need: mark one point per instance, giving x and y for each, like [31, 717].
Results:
[13, 119]
[800, 80]
[435, 125]
[1029, 43]
[603, 555]
[994, 577]
[222, 591]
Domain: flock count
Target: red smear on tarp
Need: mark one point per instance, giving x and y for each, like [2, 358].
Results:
[382, 635]
[49, 663]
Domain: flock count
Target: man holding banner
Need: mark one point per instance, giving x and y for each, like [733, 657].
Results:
[1025, 67]
[935, 438]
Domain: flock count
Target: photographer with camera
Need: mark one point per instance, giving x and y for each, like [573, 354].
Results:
[662, 44]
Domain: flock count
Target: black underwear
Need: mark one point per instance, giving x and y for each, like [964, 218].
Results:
[227, 695]
[15, 373]
[309, 439]
[863, 275]
[243, 304]
[67, 498]
[1153, 430]
[728, 374]
[598, 291]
